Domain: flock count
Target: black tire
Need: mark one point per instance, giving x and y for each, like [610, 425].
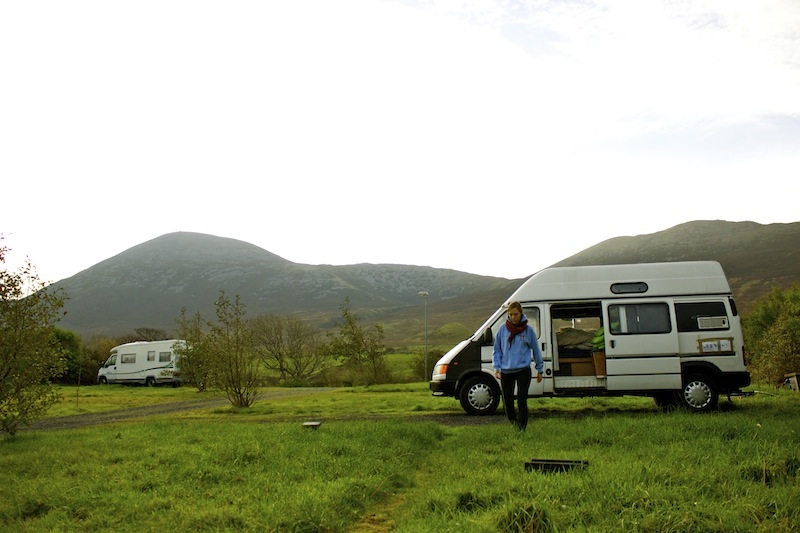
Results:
[102, 380]
[699, 393]
[480, 396]
[150, 381]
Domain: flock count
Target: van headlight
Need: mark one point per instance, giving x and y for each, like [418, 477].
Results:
[439, 373]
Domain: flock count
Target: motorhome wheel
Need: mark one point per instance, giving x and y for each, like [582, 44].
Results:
[480, 395]
[700, 393]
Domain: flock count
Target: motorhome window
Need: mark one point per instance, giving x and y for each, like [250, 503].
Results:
[127, 358]
[112, 360]
[733, 307]
[639, 319]
[629, 288]
[701, 316]
[163, 357]
[151, 355]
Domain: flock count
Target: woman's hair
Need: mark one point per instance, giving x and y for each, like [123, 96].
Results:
[515, 305]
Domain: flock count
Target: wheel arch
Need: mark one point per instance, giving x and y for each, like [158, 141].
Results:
[699, 367]
[466, 376]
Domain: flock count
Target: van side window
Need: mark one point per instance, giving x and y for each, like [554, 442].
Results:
[151, 355]
[163, 357]
[639, 319]
[701, 316]
[127, 358]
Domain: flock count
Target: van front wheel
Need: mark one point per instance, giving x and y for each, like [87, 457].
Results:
[699, 393]
[480, 396]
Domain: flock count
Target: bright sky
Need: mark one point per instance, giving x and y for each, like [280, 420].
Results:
[487, 136]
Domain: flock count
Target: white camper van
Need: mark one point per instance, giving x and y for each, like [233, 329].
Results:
[146, 363]
[669, 330]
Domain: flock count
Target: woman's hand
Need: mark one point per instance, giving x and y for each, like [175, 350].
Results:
[539, 377]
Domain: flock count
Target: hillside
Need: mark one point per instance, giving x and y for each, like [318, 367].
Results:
[146, 286]
[755, 257]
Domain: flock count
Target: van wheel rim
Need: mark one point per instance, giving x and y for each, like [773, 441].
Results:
[480, 396]
[697, 394]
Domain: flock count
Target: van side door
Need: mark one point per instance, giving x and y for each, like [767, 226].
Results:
[111, 369]
[641, 345]
[535, 320]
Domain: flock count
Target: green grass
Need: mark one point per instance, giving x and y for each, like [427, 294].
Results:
[370, 467]
[97, 398]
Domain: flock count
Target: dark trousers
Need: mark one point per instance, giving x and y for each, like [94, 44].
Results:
[522, 379]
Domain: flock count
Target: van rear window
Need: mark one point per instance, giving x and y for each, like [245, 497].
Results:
[701, 316]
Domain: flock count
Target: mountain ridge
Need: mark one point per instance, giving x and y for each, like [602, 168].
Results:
[148, 284]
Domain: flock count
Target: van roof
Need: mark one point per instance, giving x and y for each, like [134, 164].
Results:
[680, 278]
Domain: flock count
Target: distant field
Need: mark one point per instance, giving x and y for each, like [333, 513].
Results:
[395, 458]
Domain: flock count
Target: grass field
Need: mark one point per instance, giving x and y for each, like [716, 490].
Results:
[393, 458]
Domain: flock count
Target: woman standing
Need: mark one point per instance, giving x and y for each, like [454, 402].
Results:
[512, 362]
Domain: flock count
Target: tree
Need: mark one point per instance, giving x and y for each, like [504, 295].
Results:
[772, 335]
[195, 363]
[30, 355]
[72, 352]
[96, 350]
[234, 361]
[288, 346]
[363, 352]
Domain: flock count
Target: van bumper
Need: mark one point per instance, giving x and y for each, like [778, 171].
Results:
[443, 388]
[733, 381]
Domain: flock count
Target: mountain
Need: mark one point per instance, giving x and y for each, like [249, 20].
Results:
[147, 285]
[755, 257]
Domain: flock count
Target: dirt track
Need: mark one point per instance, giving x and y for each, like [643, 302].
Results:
[92, 419]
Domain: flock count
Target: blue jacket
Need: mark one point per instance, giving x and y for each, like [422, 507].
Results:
[517, 356]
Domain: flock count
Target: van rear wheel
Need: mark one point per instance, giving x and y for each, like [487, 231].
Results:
[699, 393]
[150, 381]
[480, 395]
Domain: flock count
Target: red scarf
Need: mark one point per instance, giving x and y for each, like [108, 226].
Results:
[515, 330]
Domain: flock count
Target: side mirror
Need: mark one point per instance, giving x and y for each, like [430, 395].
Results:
[488, 338]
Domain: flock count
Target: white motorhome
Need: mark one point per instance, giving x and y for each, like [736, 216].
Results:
[146, 363]
[669, 330]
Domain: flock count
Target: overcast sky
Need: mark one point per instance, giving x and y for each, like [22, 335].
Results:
[492, 137]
